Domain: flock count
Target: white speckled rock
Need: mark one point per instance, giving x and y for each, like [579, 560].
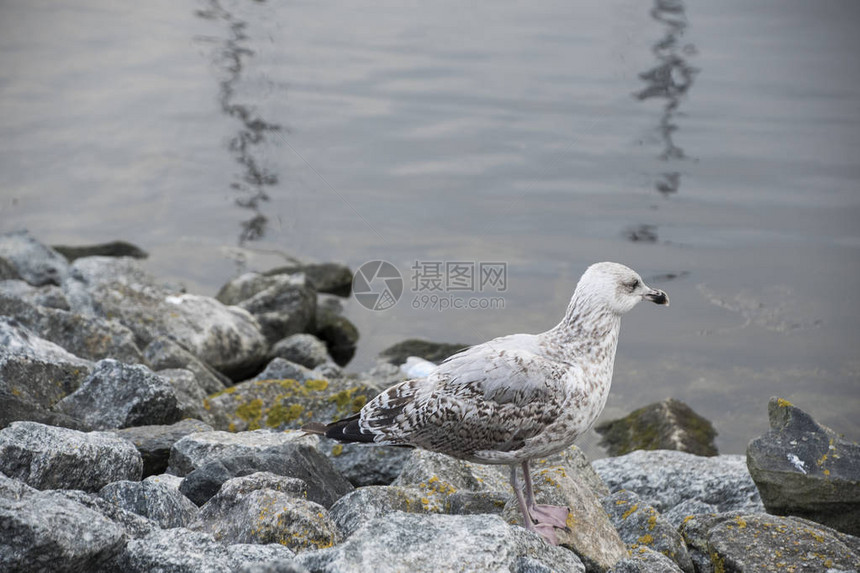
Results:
[47, 457]
[665, 478]
[423, 543]
[159, 502]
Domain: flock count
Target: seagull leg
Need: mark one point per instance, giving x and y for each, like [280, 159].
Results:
[554, 515]
[545, 530]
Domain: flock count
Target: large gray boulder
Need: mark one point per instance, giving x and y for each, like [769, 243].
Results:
[14, 409]
[34, 369]
[667, 425]
[302, 348]
[666, 478]
[332, 278]
[434, 542]
[117, 395]
[640, 525]
[44, 532]
[156, 501]
[225, 337]
[89, 337]
[183, 551]
[163, 354]
[265, 508]
[47, 457]
[802, 468]
[747, 543]
[36, 263]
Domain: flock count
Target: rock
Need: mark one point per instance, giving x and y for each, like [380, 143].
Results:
[761, 542]
[279, 566]
[190, 397]
[7, 271]
[118, 395]
[474, 502]
[339, 334]
[13, 409]
[134, 525]
[35, 370]
[163, 354]
[167, 479]
[363, 465]
[111, 249]
[158, 502]
[154, 442]
[666, 425]
[88, 337]
[645, 560]
[665, 478]
[247, 510]
[283, 305]
[182, 551]
[443, 475]
[304, 349]
[227, 338]
[258, 558]
[34, 262]
[366, 503]
[281, 369]
[446, 542]
[49, 296]
[324, 484]
[285, 403]
[43, 532]
[331, 278]
[802, 468]
[432, 351]
[46, 457]
[640, 525]
[678, 514]
[194, 450]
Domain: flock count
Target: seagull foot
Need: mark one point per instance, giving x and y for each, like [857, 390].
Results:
[547, 532]
[550, 515]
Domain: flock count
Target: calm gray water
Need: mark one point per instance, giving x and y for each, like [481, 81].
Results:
[713, 146]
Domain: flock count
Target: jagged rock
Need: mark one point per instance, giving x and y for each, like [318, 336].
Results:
[7, 271]
[285, 403]
[46, 457]
[35, 370]
[117, 395]
[802, 468]
[190, 397]
[666, 425]
[44, 532]
[666, 478]
[154, 442]
[331, 278]
[645, 560]
[134, 525]
[282, 369]
[472, 502]
[163, 354]
[366, 503]
[300, 461]
[339, 334]
[279, 566]
[111, 249]
[182, 551]
[13, 409]
[283, 305]
[36, 263]
[167, 479]
[227, 338]
[432, 351]
[678, 514]
[88, 337]
[250, 510]
[248, 285]
[258, 558]
[640, 525]
[159, 502]
[363, 465]
[302, 348]
[446, 542]
[760, 542]
[48, 296]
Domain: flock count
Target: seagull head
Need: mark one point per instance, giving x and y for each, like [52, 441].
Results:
[617, 287]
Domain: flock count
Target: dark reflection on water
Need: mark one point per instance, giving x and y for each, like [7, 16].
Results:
[670, 80]
[229, 56]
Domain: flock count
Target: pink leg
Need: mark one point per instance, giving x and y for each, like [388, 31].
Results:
[543, 529]
[554, 515]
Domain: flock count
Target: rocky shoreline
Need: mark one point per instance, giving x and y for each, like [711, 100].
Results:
[143, 428]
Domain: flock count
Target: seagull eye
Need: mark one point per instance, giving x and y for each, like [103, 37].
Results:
[632, 284]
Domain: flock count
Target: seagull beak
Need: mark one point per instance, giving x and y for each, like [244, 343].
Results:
[657, 297]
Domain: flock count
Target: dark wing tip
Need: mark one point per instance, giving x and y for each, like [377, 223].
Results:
[345, 430]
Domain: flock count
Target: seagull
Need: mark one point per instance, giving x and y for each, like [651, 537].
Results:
[515, 398]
